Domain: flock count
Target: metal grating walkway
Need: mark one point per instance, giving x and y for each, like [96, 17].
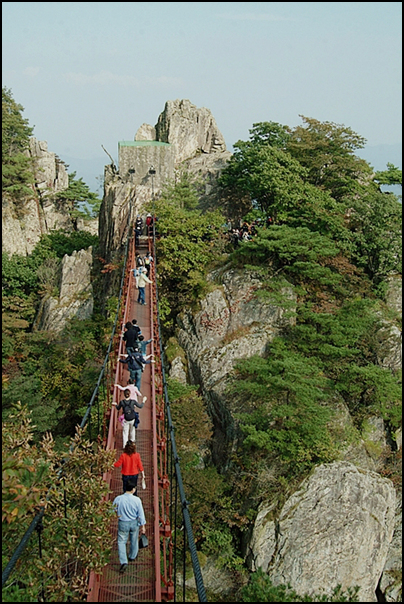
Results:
[138, 583]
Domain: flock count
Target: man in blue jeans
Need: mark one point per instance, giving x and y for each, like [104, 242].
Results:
[131, 518]
[135, 363]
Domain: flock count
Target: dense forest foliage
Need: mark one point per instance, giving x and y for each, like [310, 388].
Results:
[47, 382]
[333, 237]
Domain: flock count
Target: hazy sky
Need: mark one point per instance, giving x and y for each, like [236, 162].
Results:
[90, 73]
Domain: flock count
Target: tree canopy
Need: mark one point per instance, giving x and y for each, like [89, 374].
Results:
[82, 201]
[17, 170]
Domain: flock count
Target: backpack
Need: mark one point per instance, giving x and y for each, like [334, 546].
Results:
[137, 356]
[134, 362]
[129, 413]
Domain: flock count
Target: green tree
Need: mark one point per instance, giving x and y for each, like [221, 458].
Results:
[265, 175]
[17, 170]
[376, 224]
[391, 176]
[345, 344]
[283, 413]
[327, 151]
[75, 542]
[184, 252]
[82, 201]
[270, 133]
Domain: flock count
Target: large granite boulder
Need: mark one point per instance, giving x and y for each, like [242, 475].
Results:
[76, 294]
[233, 323]
[335, 530]
[50, 172]
[189, 129]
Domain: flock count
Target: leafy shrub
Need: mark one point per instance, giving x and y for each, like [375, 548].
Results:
[261, 589]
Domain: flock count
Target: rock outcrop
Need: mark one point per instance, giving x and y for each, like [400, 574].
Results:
[232, 324]
[390, 333]
[335, 530]
[50, 173]
[190, 130]
[76, 294]
[24, 223]
[185, 137]
[342, 526]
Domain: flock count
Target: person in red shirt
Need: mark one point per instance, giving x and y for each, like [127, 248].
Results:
[131, 464]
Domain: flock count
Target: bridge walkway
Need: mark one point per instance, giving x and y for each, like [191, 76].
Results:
[138, 583]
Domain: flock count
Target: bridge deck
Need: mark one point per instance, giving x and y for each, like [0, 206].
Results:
[138, 583]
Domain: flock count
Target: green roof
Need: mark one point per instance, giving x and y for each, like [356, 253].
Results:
[142, 144]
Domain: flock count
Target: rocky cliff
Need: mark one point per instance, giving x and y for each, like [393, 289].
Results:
[184, 137]
[24, 223]
[343, 525]
[75, 294]
[335, 530]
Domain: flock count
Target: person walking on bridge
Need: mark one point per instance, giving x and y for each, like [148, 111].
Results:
[131, 520]
[130, 424]
[131, 464]
[134, 391]
[130, 337]
[136, 362]
[141, 285]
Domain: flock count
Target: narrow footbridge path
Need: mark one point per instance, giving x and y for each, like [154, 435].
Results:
[143, 580]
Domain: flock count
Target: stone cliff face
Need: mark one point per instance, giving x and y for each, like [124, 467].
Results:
[231, 324]
[343, 525]
[335, 530]
[185, 137]
[75, 297]
[23, 225]
[190, 130]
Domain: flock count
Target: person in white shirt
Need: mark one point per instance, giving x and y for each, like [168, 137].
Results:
[141, 285]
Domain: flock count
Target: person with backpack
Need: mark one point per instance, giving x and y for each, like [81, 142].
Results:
[131, 417]
[133, 367]
[135, 362]
[138, 230]
[139, 260]
[148, 259]
[131, 464]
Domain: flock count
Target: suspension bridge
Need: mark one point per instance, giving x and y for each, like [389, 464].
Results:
[156, 575]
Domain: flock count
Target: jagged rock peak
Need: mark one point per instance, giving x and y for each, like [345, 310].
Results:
[146, 132]
[189, 129]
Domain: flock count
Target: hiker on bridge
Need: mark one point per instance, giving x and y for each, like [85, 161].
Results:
[141, 285]
[131, 520]
[131, 417]
[130, 337]
[134, 391]
[141, 344]
[131, 464]
[136, 361]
